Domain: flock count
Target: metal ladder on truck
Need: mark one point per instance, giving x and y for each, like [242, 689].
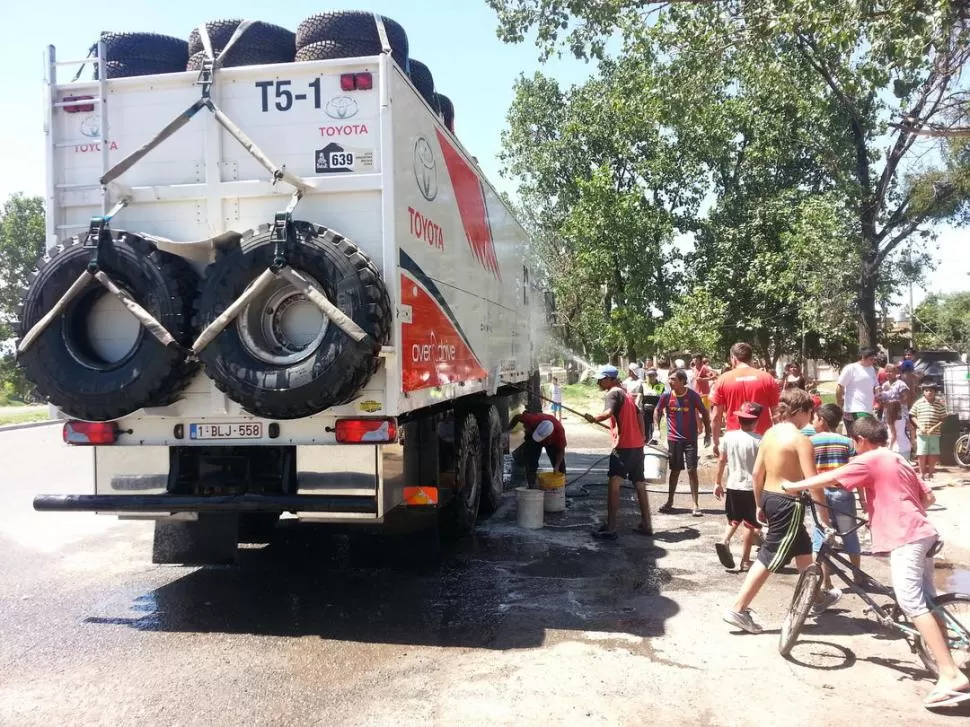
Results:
[56, 229]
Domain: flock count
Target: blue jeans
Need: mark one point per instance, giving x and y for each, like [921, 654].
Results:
[842, 510]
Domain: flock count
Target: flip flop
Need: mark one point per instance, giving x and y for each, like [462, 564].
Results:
[666, 509]
[603, 533]
[697, 513]
[724, 555]
[745, 566]
[640, 530]
[946, 698]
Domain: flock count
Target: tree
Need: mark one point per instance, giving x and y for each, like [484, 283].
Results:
[943, 321]
[604, 193]
[869, 78]
[21, 244]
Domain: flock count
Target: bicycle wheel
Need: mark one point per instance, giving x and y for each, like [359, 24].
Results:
[806, 590]
[961, 450]
[952, 610]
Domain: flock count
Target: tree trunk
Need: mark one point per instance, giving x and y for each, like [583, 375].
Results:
[868, 322]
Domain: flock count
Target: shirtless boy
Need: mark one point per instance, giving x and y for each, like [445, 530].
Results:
[785, 455]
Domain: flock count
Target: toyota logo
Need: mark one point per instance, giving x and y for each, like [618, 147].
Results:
[425, 169]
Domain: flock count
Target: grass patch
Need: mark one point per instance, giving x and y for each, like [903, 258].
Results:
[23, 417]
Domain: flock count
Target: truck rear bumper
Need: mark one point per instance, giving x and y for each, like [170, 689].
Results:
[227, 503]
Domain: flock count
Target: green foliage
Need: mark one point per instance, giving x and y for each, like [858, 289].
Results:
[21, 244]
[944, 320]
[782, 102]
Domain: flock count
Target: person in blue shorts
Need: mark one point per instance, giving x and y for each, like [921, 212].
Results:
[832, 450]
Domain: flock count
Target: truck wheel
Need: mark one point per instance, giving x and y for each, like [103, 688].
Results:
[257, 527]
[327, 49]
[423, 81]
[350, 25]
[210, 540]
[244, 55]
[135, 66]
[493, 456]
[460, 514]
[96, 362]
[281, 358]
[259, 35]
[447, 111]
[151, 46]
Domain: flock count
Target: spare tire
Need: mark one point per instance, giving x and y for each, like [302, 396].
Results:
[423, 81]
[134, 66]
[95, 361]
[242, 55]
[353, 25]
[327, 49]
[281, 358]
[447, 111]
[150, 46]
[264, 36]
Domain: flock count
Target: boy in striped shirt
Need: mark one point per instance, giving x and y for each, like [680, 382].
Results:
[832, 450]
[928, 415]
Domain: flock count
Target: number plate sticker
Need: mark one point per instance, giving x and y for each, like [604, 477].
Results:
[244, 430]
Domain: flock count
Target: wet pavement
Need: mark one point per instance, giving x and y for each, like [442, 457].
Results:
[510, 626]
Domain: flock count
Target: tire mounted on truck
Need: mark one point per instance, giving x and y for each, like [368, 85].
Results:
[281, 358]
[95, 361]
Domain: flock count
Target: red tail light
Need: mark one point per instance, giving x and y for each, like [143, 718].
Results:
[366, 431]
[90, 432]
[84, 108]
[356, 81]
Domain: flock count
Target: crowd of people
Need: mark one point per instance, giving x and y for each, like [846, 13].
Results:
[773, 438]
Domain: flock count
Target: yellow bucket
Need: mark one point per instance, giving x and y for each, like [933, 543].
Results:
[551, 480]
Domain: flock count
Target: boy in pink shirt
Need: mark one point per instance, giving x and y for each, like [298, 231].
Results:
[896, 501]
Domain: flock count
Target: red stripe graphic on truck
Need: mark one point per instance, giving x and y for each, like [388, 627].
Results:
[434, 352]
[470, 196]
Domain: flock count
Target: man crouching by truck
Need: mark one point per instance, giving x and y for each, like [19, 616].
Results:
[626, 460]
[542, 431]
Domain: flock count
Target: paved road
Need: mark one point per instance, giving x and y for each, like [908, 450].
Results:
[514, 627]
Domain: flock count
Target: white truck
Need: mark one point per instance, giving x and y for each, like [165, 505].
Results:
[276, 288]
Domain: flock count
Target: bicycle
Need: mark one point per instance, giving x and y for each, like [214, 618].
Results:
[961, 450]
[952, 610]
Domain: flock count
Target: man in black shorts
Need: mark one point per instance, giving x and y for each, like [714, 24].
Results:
[626, 460]
[785, 454]
[682, 407]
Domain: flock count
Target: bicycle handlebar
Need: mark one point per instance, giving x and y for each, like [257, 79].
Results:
[862, 522]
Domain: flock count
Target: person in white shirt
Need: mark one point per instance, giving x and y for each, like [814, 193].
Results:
[634, 387]
[556, 398]
[855, 392]
[739, 450]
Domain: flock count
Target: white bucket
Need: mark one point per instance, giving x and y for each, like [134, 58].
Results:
[529, 510]
[654, 464]
[555, 500]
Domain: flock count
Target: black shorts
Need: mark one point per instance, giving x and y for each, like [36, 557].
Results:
[786, 536]
[628, 463]
[682, 454]
[740, 508]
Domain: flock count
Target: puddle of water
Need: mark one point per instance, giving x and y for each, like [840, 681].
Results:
[951, 578]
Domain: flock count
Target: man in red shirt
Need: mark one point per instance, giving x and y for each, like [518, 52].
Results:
[703, 376]
[542, 431]
[742, 383]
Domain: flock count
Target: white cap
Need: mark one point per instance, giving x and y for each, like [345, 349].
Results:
[543, 431]
[633, 367]
[679, 363]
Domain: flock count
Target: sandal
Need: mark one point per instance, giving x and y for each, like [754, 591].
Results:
[604, 533]
[666, 509]
[640, 530]
[724, 555]
[946, 698]
[745, 566]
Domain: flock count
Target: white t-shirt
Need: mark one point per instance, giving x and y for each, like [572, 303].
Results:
[556, 394]
[859, 383]
[634, 387]
[741, 449]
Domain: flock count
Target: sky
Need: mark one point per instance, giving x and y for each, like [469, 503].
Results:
[455, 38]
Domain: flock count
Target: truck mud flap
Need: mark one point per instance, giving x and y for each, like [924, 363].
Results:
[222, 503]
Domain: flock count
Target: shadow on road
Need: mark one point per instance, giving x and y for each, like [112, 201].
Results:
[504, 588]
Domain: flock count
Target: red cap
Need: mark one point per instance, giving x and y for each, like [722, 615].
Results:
[816, 401]
[749, 410]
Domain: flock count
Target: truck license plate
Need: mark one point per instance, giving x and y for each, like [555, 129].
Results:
[247, 430]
